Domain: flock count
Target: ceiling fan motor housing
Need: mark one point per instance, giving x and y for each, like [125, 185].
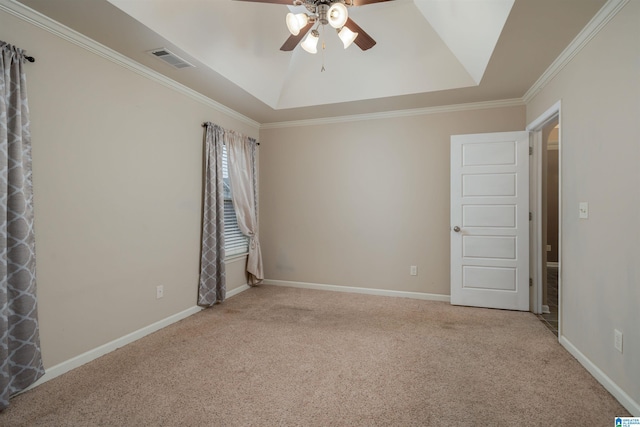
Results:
[321, 11]
[319, 8]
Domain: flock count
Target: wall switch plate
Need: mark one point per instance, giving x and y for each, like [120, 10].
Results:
[548, 248]
[159, 291]
[618, 340]
[584, 210]
[413, 270]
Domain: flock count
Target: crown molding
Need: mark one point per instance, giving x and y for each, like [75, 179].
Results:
[516, 102]
[604, 15]
[41, 21]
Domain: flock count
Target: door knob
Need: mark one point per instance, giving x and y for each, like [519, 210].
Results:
[456, 229]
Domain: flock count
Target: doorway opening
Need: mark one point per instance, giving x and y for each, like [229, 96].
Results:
[550, 224]
[545, 228]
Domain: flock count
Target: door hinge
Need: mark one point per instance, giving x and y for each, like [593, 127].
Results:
[530, 281]
[531, 151]
[530, 216]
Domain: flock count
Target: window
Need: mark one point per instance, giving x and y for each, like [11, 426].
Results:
[235, 243]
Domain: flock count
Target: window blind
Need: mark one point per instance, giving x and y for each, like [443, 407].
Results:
[235, 243]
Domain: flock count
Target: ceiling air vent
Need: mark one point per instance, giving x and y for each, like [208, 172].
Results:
[170, 58]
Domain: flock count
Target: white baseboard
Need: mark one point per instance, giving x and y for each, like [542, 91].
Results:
[75, 362]
[90, 355]
[622, 397]
[356, 290]
[237, 290]
[553, 264]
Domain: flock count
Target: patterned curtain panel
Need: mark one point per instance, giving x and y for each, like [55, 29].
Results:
[212, 268]
[20, 358]
[242, 162]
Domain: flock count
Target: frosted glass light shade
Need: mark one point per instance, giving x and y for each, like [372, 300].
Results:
[347, 36]
[296, 21]
[337, 15]
[310, 44]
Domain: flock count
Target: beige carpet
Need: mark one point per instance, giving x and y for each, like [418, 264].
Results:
[275, 356]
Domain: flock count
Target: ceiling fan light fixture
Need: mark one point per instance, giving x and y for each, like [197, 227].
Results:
[310, 44]
[337, 15]
[347, 36]
[296, 21]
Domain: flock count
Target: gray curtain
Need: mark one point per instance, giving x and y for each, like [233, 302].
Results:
[212, 287]
[20, 357]
[242, 176]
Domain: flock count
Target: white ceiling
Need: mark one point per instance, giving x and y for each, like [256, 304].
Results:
[426, 46]
[428, 52]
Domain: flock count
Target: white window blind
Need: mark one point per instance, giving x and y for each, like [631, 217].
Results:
[235, 243]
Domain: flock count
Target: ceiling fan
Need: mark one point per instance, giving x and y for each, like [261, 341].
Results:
[323, 12]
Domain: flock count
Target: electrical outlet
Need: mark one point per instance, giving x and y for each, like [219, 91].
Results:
[159, 291]
[413, 270]
[548, 248]
[618, 340]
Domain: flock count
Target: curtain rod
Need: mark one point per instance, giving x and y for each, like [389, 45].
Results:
[205, 125]
[21, 53]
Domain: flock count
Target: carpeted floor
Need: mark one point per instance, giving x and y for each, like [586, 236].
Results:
[282, 356]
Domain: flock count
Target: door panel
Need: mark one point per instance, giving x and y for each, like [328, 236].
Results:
[479, 185]
[489, 154]
[490, 220]
[489, 216]
[489, 247]
[493, 278]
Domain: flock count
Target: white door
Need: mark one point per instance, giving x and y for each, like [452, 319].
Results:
[490, 220]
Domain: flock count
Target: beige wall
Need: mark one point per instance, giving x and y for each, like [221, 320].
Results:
[356, 203]
[117, 164]
[117, 171]
[600, 143]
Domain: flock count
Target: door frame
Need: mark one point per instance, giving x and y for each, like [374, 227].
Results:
[535, 205]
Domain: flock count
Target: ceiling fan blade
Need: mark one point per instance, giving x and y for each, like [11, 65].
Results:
[293, 41]
[364, 40]
[287, 2]
[364, 2]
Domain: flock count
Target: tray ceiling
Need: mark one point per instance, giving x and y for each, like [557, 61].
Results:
[428, 53]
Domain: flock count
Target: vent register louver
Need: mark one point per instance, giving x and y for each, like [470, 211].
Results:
[170, 58]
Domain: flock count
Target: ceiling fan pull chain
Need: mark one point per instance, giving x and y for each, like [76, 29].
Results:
[322, 69]
[323, 47]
